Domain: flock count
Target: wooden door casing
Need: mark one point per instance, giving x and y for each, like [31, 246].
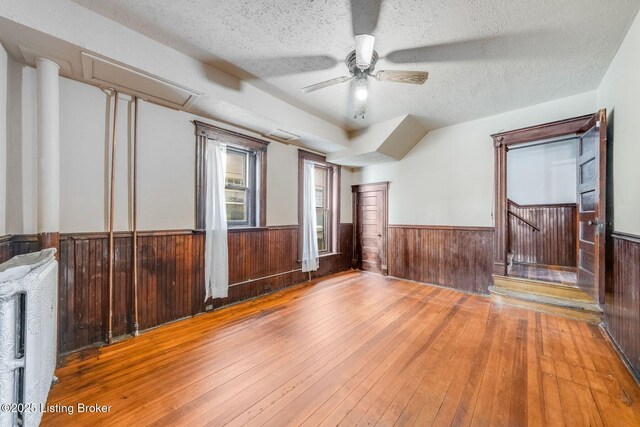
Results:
[370, 227]
[580, 127]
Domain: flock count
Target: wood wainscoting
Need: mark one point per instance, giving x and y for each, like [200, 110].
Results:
[554, 244]
[170, 275]
[5, 248]
[622, 297]
[455, 257]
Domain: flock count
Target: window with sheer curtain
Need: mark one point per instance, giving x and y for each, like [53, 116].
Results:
[326, 184]
[245, 177]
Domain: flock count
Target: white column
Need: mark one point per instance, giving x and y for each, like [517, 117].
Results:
[48, 146]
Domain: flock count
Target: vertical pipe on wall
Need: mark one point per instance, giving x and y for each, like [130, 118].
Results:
[48, 134]
[111, 212]
[136, 326]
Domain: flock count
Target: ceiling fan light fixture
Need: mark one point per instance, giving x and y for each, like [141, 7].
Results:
[361, 94]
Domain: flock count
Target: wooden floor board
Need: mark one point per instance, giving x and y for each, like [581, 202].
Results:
[356, 349]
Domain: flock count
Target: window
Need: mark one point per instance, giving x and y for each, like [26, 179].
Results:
[245, 180]
[323, 207]
[240, 187]
[327, 183]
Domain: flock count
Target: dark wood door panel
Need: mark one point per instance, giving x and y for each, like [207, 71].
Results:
[591, 177]
[370, 212]
[370, 204]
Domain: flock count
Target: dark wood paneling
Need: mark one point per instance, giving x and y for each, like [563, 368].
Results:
[5, 248]
[272, 251]
[622, 298]
[554, 244]
[170, 275]
[24, 244]
[455, 257]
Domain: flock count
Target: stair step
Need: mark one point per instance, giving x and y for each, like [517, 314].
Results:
[540, 287]
[580, 310]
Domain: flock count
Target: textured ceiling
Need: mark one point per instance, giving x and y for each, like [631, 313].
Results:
[484, 57]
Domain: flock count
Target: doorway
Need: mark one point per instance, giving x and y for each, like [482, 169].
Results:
[541, 210]
[370, 209]
[589, 134]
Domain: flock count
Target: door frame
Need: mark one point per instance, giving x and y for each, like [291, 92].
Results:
[501, 142]
[363, 188]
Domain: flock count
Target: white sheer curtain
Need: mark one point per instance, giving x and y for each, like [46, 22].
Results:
[216, 270]
[309, 234]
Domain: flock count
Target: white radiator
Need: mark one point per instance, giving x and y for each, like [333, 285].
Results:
[28, 335]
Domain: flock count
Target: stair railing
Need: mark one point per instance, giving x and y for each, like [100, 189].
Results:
[535, 228]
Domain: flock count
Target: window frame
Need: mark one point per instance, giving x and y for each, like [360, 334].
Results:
[239, 142]
[328, 227]
[333, 179]
[251, 184]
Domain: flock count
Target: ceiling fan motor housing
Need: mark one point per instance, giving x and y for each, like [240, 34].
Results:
[350, 61]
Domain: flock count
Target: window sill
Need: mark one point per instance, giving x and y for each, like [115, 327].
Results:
[245, 229]
[329, 254]
[325, 255]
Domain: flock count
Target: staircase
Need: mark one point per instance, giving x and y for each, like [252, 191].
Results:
[546, 297]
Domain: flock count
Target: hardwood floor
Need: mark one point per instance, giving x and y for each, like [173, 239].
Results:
[356, 348]
[556, 274]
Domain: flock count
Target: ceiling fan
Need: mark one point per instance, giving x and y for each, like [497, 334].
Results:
[364, 19]
[361, 61]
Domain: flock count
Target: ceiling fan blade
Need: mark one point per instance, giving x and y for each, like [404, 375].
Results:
[364, 16]
[326, 83]
[500, 46]
[413, 77]
[286, 65]
[364, 50]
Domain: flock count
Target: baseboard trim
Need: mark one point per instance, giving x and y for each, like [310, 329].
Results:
[621, 355]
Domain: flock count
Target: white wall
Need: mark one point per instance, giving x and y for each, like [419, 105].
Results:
[282, 184]
[619, 92]
[543, 174]
[447, 179]
[166, 164]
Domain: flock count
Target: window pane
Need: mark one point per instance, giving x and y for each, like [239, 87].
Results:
[322, 206]
[236, 205]
[321, 187]
[321, 229]
[236, 169]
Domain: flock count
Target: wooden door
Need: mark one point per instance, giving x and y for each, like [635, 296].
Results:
[370, 202]
[591, 177]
